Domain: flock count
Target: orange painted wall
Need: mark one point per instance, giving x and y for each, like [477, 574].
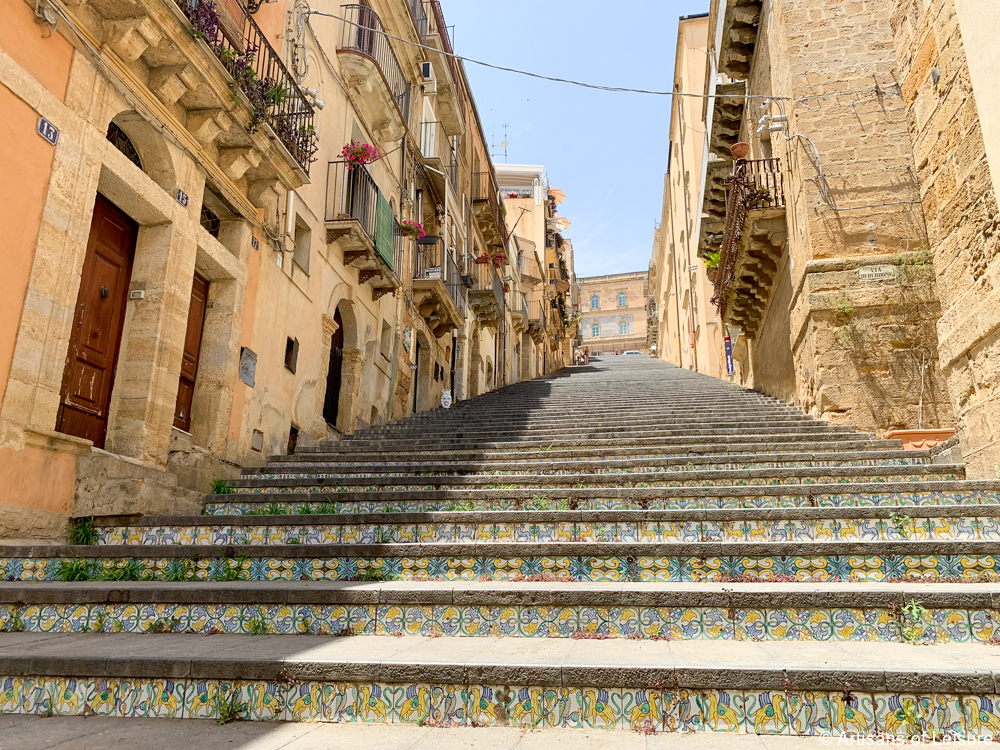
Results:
[28, 156]
[37, 478]
[47, 59]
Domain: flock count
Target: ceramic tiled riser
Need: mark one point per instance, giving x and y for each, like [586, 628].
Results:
[219, 507]
[762, 712]
[828, 530]
[672, 623]
[852, 567]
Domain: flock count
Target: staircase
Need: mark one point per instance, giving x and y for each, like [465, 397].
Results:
[623, 546]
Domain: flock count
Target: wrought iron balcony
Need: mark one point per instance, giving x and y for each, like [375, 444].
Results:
[488, 209]
[747, 265]
[439, 288]
[419, 19]
[359, 218]
[451, 93]
[485, 292]
[366, 54]
[275, 97]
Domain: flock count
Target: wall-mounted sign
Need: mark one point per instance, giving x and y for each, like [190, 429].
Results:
[248, 366]
[48, 131]
[181, 197]
[730, 367]
[407, 339]
[254, 244]
[876, 273]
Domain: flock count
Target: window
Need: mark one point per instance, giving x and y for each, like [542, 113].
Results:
[595, 330]
[291, 353]
[303, 239]
[622, 301]
[595, 303]
[623, 329]
[210, 221]
[124, 144]
[385, 344]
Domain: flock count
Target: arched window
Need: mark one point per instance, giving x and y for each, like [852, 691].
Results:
[594, 302]
[623, 328]
[595, 330]
[621, 300]
[122, 142]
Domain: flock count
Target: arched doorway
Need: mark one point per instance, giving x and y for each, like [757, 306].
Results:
[334, 377]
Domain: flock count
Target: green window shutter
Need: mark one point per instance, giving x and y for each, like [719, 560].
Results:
[385, 229]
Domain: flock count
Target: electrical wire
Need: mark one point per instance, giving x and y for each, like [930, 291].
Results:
[518, 71]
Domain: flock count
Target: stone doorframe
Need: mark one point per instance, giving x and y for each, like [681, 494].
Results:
[342, 298]
[170, 238]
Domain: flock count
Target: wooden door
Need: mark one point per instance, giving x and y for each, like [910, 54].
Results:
[331, 405]
[97, 325]
[192, 346]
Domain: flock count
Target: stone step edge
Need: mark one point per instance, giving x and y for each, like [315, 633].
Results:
[239, 660]
[874, 548]
[533, 479]
[476, 466]
[731, 595]
[632, 493]
[373, 446]
[822, 448]
[734, 515]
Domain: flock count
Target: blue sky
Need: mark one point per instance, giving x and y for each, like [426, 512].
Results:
[607, 151]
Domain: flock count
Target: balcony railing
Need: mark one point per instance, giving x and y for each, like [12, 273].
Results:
[517, 303]
[436, 145]
[244, 51]
[432, 262]
[419, 19]
[353, 194]
[365, 34]
[755, 185]
[442, 30]
[537, 311]
[485, 191]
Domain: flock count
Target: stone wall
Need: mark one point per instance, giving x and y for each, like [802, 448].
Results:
[963, 221]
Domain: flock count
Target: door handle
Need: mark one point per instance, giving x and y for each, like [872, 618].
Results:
[105, 292]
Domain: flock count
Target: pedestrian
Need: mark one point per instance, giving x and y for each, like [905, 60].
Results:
[616, 352]
[586, 355]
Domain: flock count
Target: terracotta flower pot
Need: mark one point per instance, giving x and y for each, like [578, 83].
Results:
[740, 150]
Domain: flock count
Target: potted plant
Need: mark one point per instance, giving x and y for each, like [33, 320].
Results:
[483, 259]
[410, 228]
[740, 150]
[357, 154]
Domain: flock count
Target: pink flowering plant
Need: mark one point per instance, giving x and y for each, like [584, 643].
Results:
[356, 154]
[410, 228]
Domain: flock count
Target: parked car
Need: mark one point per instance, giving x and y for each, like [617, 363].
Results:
[633, 351]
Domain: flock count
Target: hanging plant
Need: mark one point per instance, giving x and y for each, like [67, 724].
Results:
[357, 154]
[483, 259]
[410, 228]
[204, 20]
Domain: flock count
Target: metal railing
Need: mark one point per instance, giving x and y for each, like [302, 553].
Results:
[441, 28]
[485, 190]
[435, 144]
[274, 96]
[365, 34]
[529, 266]
[431, 262]
[537, 311]
[517, 302]
[755, 185]
[419, 19]
[351, 194]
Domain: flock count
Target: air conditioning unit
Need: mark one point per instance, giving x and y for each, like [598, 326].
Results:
[429, 84]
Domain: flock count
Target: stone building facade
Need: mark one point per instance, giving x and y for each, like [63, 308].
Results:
[825, 281]
[195, 279]
[947, 60]
[613, 312]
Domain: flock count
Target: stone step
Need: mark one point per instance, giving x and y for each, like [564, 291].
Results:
[378, 447]
[900, 612]
[665, 686]
[576, 561]
[604, 465]
[937, 493]
[619, 478]
[472, 432]
[303, 457]
[532, 443]
[946, 523]
[618, 417]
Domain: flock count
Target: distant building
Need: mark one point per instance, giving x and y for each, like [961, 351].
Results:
[613, 311]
